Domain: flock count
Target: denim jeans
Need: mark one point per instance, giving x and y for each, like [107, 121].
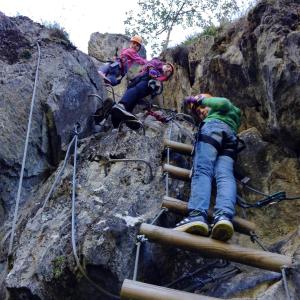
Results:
[134, 94]
[208, 165]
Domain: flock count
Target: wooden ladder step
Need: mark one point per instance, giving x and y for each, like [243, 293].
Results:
[212, 248]
[179, 147]
[178, 173]
[136, 290]
[240, 225]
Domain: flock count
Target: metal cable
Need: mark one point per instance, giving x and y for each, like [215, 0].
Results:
[168, 160]
[137, 257]
[59, 174]
[190, 119]
[164, 209]
[99, 288]
[185, 132]
[97, 96]
[244, 185]
[112, 91]
[140, 240]
[254, 238]
[285, 284]
[293, 198]
[24, 155]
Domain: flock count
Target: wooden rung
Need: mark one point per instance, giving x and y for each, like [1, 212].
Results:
[136, 290]
[176, 172]
[179, 147]
[240, 225]
[212, 248]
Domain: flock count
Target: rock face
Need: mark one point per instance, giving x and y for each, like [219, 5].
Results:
[113, 198]
[66, 78]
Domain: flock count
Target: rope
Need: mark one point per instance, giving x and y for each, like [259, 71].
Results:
[168, 160]
[99, 288]
[269, 200]
[212, 265]
[254, 238]
[98, 97]
[24, 156]
[141, 239]
[112, 91]
[212, 278]
[59, 174]
[244, 185]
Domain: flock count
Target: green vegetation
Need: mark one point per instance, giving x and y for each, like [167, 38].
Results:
[56, 30]
[59, 34]
[211, 30]
[26, 54]
[58, 266]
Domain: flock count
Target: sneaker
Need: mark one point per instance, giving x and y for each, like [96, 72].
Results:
[103, 112]
[119, 114]
[222, 227]
[134, 124]
[195, 223]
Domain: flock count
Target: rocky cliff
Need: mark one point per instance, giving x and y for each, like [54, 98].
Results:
[254, 62]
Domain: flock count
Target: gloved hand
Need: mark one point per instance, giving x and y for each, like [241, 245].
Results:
[153, 84]
[190, 100]
[153, 73]
[193, 101]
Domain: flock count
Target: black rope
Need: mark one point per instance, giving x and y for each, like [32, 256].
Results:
[255, 239]
[214, 264]
[212, 277]
[268, 200]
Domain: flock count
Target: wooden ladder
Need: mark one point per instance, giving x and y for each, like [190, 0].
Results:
[206, 246]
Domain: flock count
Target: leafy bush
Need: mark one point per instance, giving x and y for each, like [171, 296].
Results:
[59, 33]
[209, 31]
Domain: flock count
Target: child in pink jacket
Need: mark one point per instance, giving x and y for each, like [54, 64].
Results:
[114, 72]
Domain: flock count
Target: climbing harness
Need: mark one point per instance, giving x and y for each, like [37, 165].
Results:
[13, 228]
[230, 149]
[129, 160]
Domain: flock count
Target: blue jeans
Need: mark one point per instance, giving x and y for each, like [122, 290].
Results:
[134, 94]
[208, 165]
